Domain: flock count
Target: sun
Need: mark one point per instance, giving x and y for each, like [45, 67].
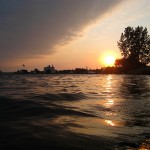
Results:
[109, 60]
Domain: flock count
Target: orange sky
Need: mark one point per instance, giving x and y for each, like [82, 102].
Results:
[86, 44]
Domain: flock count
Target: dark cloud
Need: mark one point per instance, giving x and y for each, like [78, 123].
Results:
[34, 27]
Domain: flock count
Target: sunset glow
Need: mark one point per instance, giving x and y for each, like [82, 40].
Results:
[65, 39]
[75, 74]
[109, 60]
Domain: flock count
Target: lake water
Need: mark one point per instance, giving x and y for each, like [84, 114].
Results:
[64, 112]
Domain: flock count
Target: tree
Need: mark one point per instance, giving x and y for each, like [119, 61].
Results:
[119, 62]
[134, 45]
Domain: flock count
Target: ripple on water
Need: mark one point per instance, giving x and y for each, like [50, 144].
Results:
[98, 111]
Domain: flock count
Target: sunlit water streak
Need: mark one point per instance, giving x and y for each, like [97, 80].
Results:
[75, 111]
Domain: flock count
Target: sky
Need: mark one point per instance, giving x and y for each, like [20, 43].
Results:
[65, 33]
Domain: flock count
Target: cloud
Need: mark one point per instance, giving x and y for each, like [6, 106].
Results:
[35, 27]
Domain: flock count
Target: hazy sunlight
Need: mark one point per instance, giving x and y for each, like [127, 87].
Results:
[109, 60]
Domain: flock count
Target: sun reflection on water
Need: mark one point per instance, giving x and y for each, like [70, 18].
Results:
[110, 122]
[145, 145]
[109, 78]
[109, 103]
[108, 84]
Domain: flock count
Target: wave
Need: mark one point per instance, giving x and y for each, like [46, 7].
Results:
[29, 108]
[61, 96]
[74, 112]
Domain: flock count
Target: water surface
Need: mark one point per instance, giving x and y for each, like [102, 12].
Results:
[75, 111]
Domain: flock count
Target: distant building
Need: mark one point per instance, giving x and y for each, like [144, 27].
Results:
[49, 69]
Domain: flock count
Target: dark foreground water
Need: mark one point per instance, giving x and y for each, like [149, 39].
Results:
[65, 112]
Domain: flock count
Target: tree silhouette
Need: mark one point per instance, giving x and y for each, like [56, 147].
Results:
[119, 62]
[134, 45]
